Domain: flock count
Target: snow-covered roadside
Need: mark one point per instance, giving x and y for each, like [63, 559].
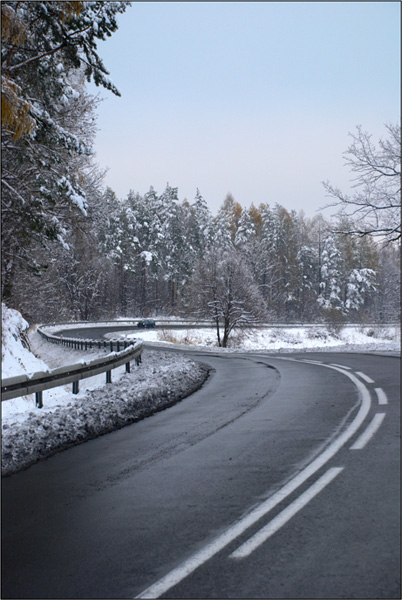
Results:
[30, 434]
[287, 339]
[158, 382]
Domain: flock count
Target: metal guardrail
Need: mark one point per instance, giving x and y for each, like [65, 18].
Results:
[36, 383]
[85, 344]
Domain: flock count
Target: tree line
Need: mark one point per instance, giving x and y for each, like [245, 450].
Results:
[154, 254]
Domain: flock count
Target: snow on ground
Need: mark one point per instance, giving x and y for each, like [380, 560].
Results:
[284, 339]
[15, 356]
[30, 434]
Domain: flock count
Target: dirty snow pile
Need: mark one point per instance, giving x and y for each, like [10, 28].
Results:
[30, 434]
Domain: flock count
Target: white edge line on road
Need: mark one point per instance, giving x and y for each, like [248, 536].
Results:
[364, 376]
[369, 432]
[342, 366]
[196, 560]
[381, 395]
[287, 513]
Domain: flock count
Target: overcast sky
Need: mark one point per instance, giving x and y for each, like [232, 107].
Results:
[252, 98]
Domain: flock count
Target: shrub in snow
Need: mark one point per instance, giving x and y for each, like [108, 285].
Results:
[386, 333]
[335, 320]
[317, 333]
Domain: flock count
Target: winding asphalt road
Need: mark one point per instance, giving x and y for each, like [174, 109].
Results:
[280, 478]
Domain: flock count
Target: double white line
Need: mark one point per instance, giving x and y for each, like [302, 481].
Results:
[196, 560]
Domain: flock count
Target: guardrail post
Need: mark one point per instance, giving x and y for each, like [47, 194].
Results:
[75, 387]
[111, 346]
[39, 399]
[108, 376]
[138, 360]
[127, 367]
[118, 346]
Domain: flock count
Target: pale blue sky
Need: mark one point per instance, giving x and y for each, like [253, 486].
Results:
[252, 98]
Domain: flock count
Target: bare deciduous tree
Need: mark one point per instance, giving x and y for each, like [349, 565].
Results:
[374, 209]
[223, 289]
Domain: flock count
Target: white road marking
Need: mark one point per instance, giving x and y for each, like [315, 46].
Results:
[381, 395]
[364, 376]
[313, 362]
[369, 432]
[342, 366]
[206, 553]
[287, 513]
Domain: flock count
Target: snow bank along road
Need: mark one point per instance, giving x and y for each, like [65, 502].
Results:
[278, 479]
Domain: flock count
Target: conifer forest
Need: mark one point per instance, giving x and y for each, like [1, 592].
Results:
[73, 250]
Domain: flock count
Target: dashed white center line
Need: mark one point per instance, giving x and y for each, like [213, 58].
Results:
[364, 376]
[381, 395]
[369, 432]
[287, 513]
[313, 362]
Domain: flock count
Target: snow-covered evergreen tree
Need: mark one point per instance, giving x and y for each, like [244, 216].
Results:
[221, 231]
[201, 224]
[245, 234]
[361, 282]
[307, 260]
[330, 295]
[46, 119]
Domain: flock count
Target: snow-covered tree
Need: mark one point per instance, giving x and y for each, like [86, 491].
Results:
[47, 120]
[224, 290]
[221, 231]
[360, 283]
[375, 208]
[245, 234]
[307, 261]
[387, 298]
[330, 296]
[200, 224]
[230, 213]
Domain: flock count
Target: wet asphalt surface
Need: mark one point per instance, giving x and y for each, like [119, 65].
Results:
[109, 518]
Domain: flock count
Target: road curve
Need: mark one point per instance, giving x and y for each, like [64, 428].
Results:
[276, 456]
